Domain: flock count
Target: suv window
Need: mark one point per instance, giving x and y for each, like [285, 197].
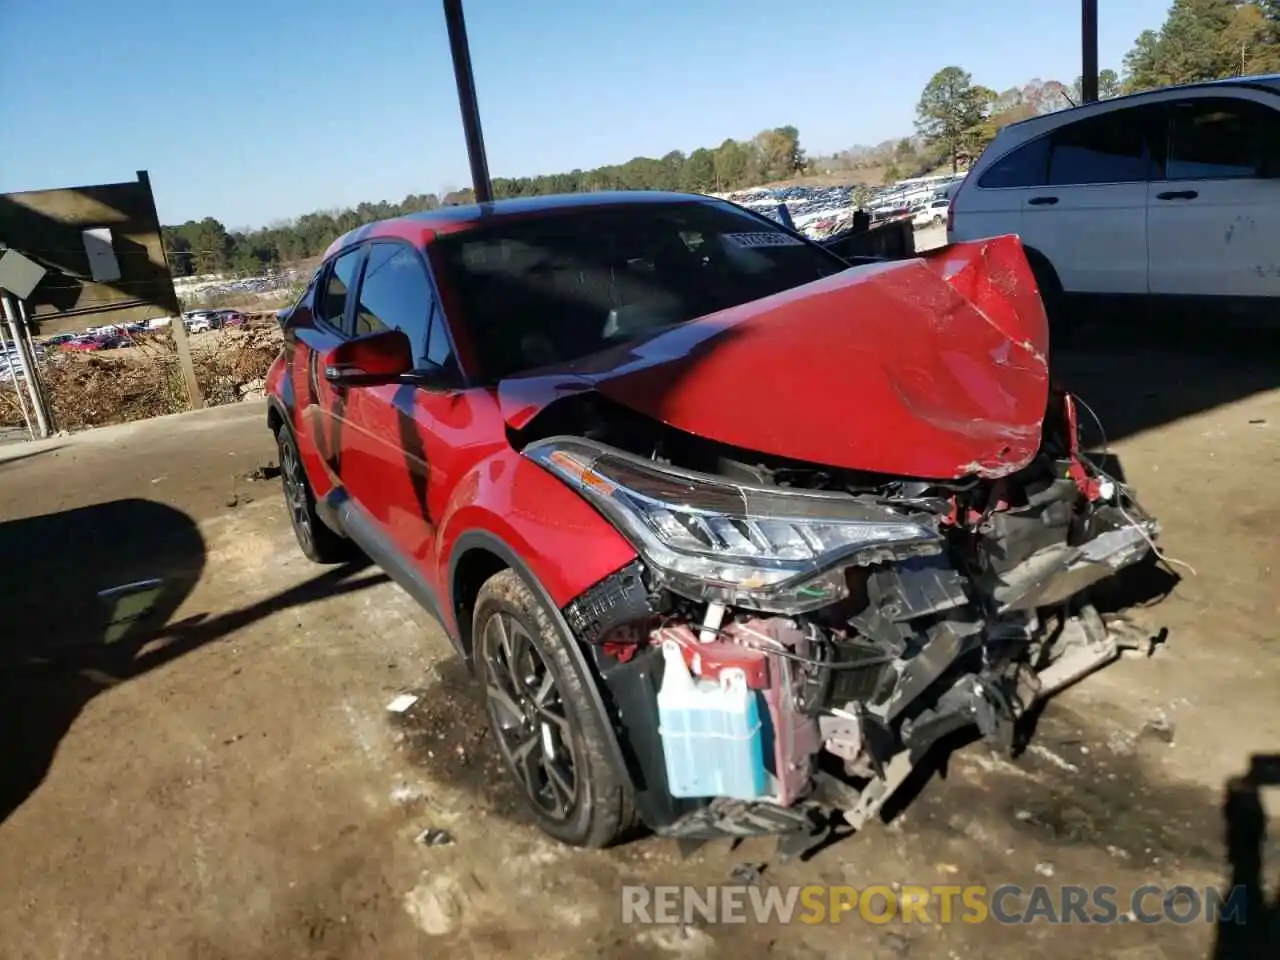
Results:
[1222, 138]
[1026, 166]
[337, 283]
[396, 294]
[570, 282]
[1112, 148]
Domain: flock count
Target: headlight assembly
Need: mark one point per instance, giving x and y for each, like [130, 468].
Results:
[772, 549]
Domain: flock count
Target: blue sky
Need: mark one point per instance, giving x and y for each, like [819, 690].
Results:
[256, 110]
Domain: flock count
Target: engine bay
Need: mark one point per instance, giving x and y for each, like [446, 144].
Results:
[748, 712]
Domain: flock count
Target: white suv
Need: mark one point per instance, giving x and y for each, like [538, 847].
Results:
[931, 213]
[200, 321]
[1175, 193]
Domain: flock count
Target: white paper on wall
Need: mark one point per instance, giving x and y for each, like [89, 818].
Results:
[103, 265]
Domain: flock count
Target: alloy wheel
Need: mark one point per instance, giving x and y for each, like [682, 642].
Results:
[295, 490]
[529, 716]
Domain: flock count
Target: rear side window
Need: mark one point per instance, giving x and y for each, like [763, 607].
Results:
[396, 294]
[337, 286]
[1222, 138]
[1112, 148]
[1026, 166]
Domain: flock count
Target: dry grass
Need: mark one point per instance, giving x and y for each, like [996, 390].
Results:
[115, 386]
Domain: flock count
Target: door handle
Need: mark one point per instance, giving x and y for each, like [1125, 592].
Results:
[1042, 201]
[1177, 195]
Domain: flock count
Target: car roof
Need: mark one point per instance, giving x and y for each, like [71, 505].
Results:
[468, 215]
[1048, 121]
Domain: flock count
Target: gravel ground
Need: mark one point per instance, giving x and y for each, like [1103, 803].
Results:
[234, 787]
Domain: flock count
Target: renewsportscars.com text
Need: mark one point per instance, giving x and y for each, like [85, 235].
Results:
[945, 904]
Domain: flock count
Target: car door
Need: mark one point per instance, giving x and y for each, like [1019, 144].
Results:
[394, 453]
[1215, 214]
[315, 327]
[1089, 219]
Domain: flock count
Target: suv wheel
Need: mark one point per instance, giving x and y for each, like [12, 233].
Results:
[316, 539]
[1051, 295]
[938, 219]
[551, 737]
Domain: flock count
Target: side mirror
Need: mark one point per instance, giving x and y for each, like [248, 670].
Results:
[377, 359]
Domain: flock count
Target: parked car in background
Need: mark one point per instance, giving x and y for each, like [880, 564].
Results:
[9, 355]
[200, 321]
[87, 343]
[231, 318]
[58, 339]
[158, 323]
[569, 427]
[931, 214]
[1172, 194]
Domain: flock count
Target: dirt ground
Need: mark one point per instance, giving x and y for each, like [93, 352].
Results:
[232, 785]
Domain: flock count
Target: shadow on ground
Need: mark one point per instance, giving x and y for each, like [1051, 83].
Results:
[87, 600]
[1256, 934]
[1135, 386]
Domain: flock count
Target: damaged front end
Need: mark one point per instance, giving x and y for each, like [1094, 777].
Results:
[793, 638]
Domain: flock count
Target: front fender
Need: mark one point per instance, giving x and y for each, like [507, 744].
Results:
[560, 538]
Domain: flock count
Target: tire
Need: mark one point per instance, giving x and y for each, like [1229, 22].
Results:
[1051, 295]
[551, 737]
[317, 540]
[938, 221]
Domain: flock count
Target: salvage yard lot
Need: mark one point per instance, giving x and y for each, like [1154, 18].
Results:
[235, 787]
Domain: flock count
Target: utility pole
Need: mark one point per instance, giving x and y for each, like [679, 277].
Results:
[467, 103]
[1089, 51]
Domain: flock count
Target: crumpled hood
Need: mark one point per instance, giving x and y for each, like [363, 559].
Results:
[933, 367]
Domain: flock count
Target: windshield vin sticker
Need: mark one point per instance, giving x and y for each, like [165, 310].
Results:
[768, 238]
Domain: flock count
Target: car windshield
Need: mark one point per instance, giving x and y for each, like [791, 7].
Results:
[547, 289]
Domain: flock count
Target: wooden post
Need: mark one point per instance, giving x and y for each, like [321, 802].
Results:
[179, 328]
[176, 325]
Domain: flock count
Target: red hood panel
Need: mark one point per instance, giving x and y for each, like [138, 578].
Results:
[933, 367]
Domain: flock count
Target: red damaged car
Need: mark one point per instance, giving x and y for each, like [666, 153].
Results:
[730, 531]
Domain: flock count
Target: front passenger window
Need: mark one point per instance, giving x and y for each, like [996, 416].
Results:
[337, 286]
[395, 295]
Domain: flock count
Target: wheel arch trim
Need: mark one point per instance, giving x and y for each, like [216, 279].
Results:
[491, 543]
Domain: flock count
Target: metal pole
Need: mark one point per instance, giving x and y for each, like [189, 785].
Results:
[1089, 50]
[17, 392]
[461, 54]
[37, 385]
[11, 315]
